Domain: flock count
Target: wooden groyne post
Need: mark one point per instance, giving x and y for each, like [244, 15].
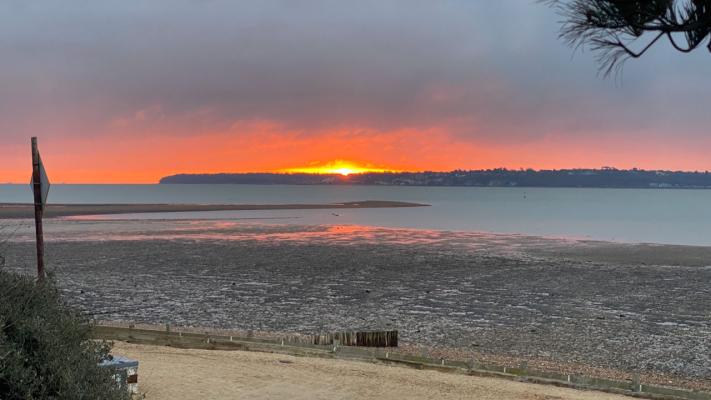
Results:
[358, 338]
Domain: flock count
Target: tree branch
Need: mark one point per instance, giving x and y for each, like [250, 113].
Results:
[608, 27]
[681, 49]
[641, 52]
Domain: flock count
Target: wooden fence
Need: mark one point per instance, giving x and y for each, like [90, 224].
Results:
[169, 337]
[363, 339]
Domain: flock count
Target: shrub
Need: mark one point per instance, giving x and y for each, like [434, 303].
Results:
[45, 348]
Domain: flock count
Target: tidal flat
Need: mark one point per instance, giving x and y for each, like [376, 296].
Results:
[565, 304]
[19, 211]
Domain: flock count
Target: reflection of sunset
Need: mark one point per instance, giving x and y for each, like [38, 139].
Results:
[341, 167]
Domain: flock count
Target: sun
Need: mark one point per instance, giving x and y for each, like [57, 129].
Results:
[336, 167]
[344, 171]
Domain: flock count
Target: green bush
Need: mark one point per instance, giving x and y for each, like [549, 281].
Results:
[45, 347]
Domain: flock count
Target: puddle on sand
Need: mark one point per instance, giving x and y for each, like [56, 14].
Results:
[88, 230]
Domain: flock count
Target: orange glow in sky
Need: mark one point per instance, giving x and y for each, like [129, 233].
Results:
[339, 88]
[145, 158]
[342, 167]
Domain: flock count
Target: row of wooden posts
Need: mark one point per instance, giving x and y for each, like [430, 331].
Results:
[351, 338]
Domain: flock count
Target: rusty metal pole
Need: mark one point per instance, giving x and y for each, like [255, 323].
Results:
[37, 189]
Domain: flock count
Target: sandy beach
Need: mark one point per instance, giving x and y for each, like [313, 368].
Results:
[169, 373]
[12, 210]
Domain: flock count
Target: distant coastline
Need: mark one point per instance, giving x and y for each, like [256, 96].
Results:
[573, 178]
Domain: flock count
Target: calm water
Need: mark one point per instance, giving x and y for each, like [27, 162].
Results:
[628, 215]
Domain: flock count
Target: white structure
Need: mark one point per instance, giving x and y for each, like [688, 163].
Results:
[126, 371]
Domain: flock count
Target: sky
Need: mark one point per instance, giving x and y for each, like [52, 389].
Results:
[130, 91]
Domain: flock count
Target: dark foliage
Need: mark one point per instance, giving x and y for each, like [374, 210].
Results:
[606, 177]
[621, 29]
[45, 351]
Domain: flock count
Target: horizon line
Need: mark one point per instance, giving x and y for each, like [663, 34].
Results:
[604, 168]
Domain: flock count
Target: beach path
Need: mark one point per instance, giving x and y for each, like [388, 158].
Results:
[170, 373]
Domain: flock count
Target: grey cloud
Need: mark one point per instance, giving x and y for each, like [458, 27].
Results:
[483, 68]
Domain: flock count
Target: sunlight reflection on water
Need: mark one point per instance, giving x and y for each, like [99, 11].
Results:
[622, 215]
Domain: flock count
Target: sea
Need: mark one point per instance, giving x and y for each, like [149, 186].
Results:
[663, 216]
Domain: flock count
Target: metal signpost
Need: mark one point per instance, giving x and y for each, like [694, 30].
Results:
[40, 188]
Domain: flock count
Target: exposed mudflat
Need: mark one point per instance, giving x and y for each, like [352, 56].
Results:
[12, 210]
[644, 308]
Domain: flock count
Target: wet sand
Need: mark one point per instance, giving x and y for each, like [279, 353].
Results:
[595, 308]
[168, 373]
[14, 211]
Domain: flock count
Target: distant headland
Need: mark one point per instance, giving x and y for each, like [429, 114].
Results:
[500, 177]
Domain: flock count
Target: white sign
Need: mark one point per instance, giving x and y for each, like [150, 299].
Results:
[44, 181]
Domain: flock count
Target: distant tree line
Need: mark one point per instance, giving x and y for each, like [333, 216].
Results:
[500, 177]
